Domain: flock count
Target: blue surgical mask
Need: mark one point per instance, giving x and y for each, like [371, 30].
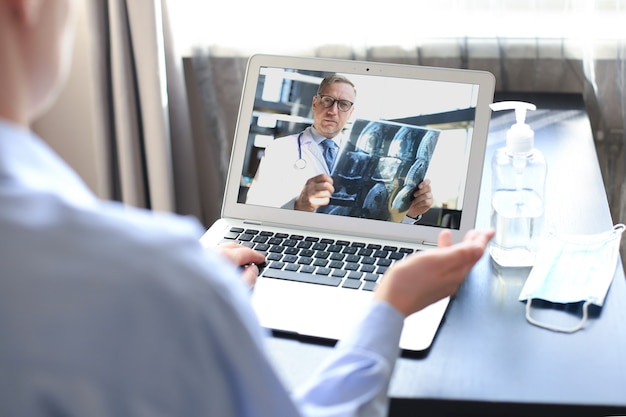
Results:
[573, 269]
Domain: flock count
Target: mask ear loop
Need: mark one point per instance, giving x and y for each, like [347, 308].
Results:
[574, 329]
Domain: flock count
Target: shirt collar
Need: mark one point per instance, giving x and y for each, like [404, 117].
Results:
[318, 137]
[28, 163]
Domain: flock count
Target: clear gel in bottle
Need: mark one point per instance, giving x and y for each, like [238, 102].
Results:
[518, 186]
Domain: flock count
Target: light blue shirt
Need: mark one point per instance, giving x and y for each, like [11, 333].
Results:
[107, 310]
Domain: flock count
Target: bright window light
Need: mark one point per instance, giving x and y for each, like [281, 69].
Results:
[280, 26]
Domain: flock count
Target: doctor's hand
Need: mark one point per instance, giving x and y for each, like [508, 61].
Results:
[246, 258]
[422, 199]
[426, 277]
[316, 193]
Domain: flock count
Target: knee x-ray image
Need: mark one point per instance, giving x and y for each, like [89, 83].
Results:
[380, 168]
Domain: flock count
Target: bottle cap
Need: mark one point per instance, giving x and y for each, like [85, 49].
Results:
[520, 137]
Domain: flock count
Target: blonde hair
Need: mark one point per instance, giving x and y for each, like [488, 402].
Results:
[335, 78]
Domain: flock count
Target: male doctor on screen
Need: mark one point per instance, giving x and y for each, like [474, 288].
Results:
[295, 170]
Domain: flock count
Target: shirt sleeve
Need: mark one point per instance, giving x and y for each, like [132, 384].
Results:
[411, 220]
[354, 380]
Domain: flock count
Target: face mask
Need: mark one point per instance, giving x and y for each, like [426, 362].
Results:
[573, 269]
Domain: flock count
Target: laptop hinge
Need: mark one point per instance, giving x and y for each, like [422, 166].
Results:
[429, 243]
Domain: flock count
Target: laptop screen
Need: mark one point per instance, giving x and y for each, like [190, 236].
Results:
[406, 124]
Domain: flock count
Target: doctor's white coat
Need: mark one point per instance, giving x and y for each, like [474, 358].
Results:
[278, 180]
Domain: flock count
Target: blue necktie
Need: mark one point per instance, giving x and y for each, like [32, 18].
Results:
[330, 152]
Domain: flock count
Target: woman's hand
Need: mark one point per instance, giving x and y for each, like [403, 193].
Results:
[423, 278]
[244, 257]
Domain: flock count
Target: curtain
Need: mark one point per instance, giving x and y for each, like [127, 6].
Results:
[213, 89]
[146, 116]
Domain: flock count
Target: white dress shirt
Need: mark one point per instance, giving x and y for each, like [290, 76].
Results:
[107, 310]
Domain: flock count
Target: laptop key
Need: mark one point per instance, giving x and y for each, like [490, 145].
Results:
[291, 251]
[246, 237]
[366, 252]
[304, 244]
[396, 255]
[355, 275]
[276, 249]
[289, 242]
[334, 248]
[290, 258]
[276, 265]
[371, 277]
[231, 235]
[292, 267]
[321, 254]
[352, 283]
[299, 277]
[337, 256]
[323, 271]
[353, 258]
[349, 250]
[261, 247]
[351, 266]
[320, 262]
[336, 264]
[320, 246]
[383, 262]
[308, 269]
[273, 256]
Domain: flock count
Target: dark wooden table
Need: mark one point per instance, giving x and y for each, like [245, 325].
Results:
[487, 360]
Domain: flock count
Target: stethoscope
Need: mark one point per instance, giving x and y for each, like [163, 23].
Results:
[300, 163]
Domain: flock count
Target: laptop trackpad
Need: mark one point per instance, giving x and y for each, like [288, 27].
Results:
[330, 312]
[308, 309]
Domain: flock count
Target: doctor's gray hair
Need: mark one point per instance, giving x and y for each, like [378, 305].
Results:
[335, 78]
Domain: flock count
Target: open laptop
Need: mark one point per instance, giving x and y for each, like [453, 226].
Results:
[445, 111]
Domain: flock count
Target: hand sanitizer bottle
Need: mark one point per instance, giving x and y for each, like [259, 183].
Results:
[518, 185]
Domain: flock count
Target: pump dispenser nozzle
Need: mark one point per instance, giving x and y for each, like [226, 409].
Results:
[520, 137]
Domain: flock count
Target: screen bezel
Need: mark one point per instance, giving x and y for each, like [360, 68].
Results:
[373, 229]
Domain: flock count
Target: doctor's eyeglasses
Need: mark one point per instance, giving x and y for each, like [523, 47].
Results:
[328, 101]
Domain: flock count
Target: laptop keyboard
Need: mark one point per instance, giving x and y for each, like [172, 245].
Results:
[349, 264]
